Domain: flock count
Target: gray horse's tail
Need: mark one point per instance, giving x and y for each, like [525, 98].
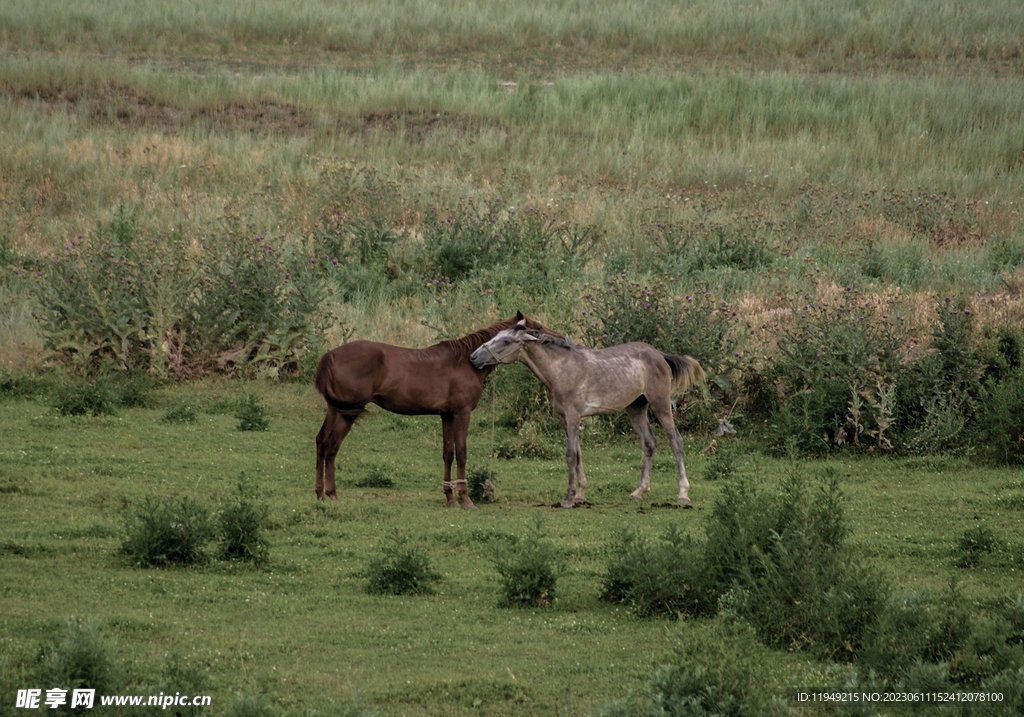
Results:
[686, 372]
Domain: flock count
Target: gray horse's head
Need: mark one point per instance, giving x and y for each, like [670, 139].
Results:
[504, 347]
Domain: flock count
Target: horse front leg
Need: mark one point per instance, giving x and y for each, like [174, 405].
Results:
[460, 428]
[448, 455]
[638, 417]
[574, 462]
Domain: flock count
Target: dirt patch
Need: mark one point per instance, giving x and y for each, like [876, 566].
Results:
[122, 105]
[418, 125]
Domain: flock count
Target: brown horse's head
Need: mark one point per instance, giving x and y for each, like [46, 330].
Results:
[507, 343]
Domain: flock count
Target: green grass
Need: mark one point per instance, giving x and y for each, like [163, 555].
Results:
[302, 630]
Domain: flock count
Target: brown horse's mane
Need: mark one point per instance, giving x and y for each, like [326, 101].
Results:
[464, 346]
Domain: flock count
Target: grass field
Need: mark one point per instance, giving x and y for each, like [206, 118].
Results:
[206, 193]
[301, 630]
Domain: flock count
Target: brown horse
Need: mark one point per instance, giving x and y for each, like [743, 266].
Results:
[438, 380]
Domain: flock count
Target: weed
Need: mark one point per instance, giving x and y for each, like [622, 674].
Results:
[376, 478]
[528, 571]
[481, 485]
[973, 544]
[659, 578]
[401, 570]
[168, 532]
[180, 411]
[78, 657]
[251, 705]
[251, 413]
[242, 524]
[80, 397]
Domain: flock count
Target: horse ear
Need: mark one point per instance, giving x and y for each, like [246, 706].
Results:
[519, 316]
[521, 323]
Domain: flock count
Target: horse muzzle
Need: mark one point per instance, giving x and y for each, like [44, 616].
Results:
[482, 357]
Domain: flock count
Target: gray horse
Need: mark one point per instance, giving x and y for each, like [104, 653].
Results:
[584, 382]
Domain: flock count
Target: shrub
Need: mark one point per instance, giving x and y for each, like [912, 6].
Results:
[250, 705]
[180, 411]
[251, 413]
[401, 570]
[376, 478]
[78, 658]
[481, 485]
[148, 303]
[178, 676]
[973, 544]
[721, 466]
[914, 628]
[626, 309]
[665, 577]
[168, 532]
[836, 365]
[711, 672]
[242, 523]
[81, 397]
[1001, 424]
[528, 571]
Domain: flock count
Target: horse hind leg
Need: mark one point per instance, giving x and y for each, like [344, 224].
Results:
[675, 439]
[637, 413]
[328, 441]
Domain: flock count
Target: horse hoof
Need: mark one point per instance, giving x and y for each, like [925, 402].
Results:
[568, 504]
[470, 505]
[685, 503]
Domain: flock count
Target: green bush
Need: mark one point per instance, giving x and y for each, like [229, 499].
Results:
[251, 414]
[376, 478]
[81, 397]
[250, 705]
[528, 571]
[481, 485]
[713, 671]
[401, 570]
[836, 365]
[178, 676]
[78, 658]
[180, 410]
[242, 525]
[973, 544]
[147, 303]
[165, 532]
[666, 577]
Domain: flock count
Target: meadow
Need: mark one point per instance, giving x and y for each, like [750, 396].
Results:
[820, 201]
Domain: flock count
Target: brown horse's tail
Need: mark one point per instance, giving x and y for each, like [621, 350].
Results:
[323, 381]
[686, 372]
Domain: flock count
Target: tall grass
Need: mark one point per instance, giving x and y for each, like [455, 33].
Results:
[826, 32]
[86, 136]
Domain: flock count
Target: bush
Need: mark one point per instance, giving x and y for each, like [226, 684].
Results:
[528, 571]
[251, 414]
[249, 705]
[149, 304]
[78, 658]
[481, 485]
[168, 532]
[973, 544]
[242, 523]
[81, 397]
[376, 478]
[401, 570]
[666, 577]
[178, 676]
[180, 411]
[711, 672]
[836, 365]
